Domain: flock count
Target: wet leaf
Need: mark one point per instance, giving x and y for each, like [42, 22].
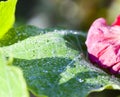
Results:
[54, 65]
[18, 34]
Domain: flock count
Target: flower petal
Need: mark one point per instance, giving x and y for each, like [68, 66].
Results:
[116, 68]
[117, 21]
[103, 44]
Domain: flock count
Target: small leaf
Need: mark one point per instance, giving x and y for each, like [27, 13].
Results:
[7, 15]
[12, 83]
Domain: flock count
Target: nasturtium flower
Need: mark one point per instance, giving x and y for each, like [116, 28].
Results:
[103, 44]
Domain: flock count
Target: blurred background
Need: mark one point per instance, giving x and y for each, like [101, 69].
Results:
[68, 14]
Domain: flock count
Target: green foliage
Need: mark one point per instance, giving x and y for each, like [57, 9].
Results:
[12, 83]
[53, 63]
[7, 15]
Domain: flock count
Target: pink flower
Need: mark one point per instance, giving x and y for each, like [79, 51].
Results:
[103, 44]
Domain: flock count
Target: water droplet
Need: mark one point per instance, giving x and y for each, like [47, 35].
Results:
[80, 80]
[45, 71]
[60, 70]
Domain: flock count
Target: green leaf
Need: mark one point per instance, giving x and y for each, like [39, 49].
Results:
[54, 65]
[63, 77]
[7, 15]
[18, 34]
[41, 46]
[12, 83]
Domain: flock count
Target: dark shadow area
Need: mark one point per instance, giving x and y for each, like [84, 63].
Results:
[3, 0]
[76, 40]
[31, 95]
[24, 8]
[43, 76]
[105, 93]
